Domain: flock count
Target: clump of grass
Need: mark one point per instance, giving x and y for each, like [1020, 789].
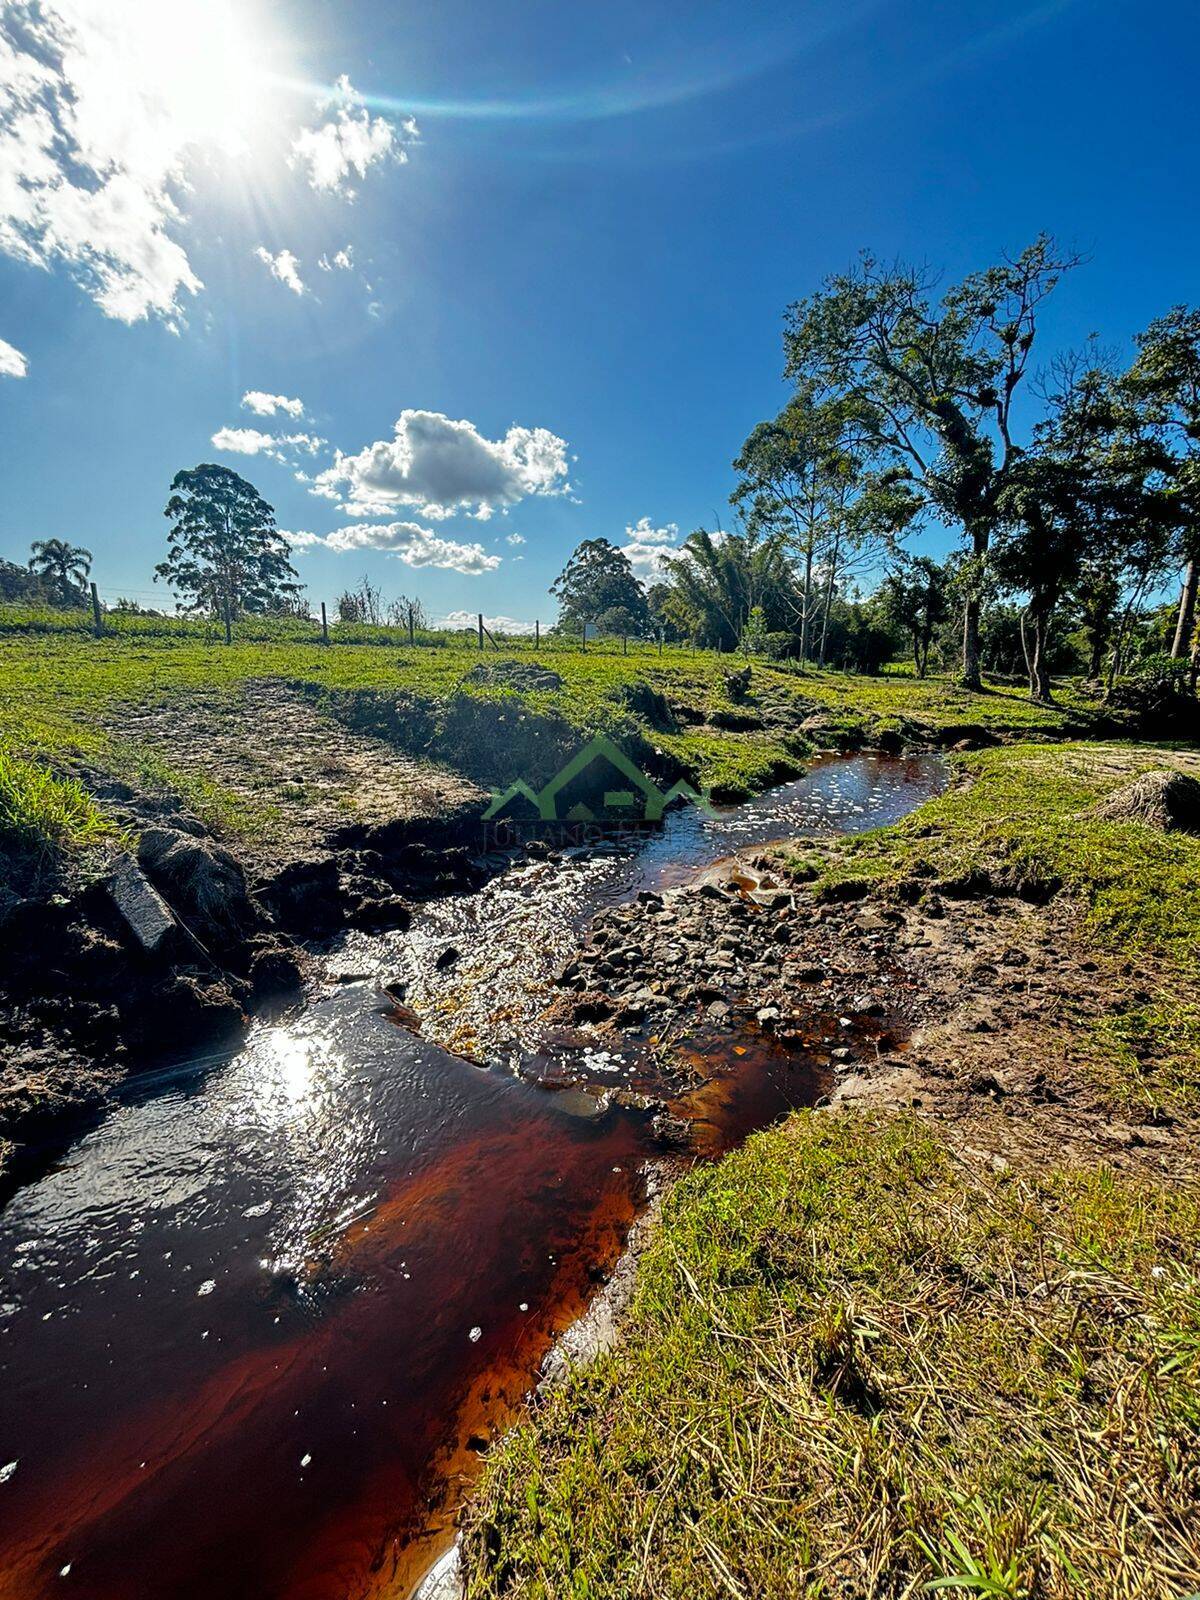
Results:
[855, 1367]
[41, 812]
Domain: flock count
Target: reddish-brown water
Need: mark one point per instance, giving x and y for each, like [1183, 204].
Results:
[255, 1327]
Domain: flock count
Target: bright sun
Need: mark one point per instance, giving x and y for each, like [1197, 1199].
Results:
[207, 65]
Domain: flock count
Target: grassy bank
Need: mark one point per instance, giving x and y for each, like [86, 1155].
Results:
[854, 1367]
[68, 697]
[1023, 818]
[864, 1359]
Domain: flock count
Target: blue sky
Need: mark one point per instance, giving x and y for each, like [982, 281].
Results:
[520, 268]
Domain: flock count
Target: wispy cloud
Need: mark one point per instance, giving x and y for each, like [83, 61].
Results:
[12, 363]
[284, 267]
[254, 442]
[350, 143]
[269, 405]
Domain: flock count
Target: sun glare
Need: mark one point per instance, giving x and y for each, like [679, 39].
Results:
[207, 63]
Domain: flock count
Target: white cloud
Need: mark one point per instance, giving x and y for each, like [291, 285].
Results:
[284, 267]
[97, 129]
[643, 531]
[470, 619]
[647, 548]
[351, 142]
[514, 538]
[12, 363]
[340, 261]
[414, 545]
[268, 405]
[444, 466]
[300, 538]
[253, 442]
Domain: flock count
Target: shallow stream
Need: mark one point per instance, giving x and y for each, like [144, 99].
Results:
[256, 1326]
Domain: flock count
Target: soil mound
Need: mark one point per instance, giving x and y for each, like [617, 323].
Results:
[1169, 801]
[522, 675]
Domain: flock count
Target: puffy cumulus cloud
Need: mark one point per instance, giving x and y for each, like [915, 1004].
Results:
[254, 442]
[300, 538]
[414, 545]
[469, 619]
[514, 538]
[643, 531]
[648, 548]
[269, 405]
[445, 466]
[12, 363]
[351, 142]
[284, 268]
[95, 136]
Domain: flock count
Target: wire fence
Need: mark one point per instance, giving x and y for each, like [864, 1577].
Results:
[136, 614]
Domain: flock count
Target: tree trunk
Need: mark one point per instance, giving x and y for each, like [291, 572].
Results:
[1039, 678]
[806, 615]
[980, 540]
[1187, 611]
[828, 603]
[1025, 652]
[1097, 656]
[970, 657]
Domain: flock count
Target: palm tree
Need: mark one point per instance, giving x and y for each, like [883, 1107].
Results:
[63, 567]
[720, 579]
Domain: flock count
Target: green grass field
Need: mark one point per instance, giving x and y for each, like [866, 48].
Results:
[63, 689]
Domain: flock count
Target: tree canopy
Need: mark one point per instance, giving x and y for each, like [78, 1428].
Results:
[598, 587]
[226, 556]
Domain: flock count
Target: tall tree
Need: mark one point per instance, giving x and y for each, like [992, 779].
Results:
[933, 385]
[1165, 381]
[225, 554]
[597, 585]
[63, 568]
[796, 475]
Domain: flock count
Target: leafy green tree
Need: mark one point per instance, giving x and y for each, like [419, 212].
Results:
[19, 583]
[915, 598]
[796, 476]
[933, 385]
[669, 615]
[63, 569]
[225, 554]
[596, 583]
[1165, 382]
[721, 578]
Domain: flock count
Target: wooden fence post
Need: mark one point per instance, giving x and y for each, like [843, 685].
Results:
[624, 644]
[660, 640]
[228, 620]
[537, 634]
[584, 645]
[481, 632]
[412, 637]
[324, 625]
[97, 619]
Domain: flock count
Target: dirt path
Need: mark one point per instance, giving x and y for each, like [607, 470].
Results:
[290, 776]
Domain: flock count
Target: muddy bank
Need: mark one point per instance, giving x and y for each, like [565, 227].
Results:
[164, 951]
